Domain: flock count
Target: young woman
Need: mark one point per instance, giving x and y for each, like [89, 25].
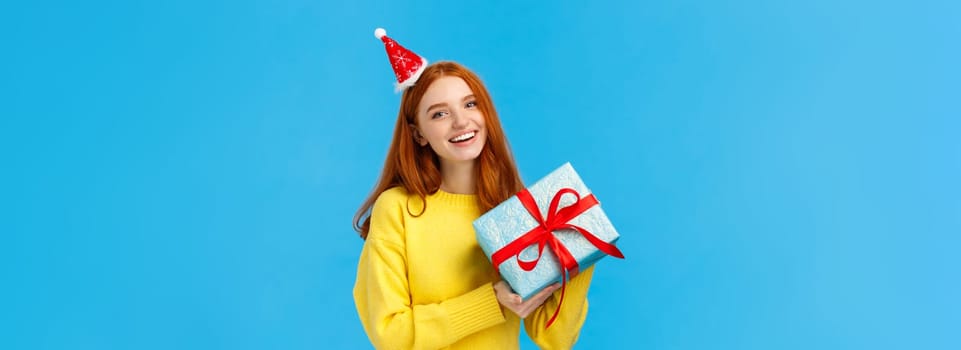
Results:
[422, 280]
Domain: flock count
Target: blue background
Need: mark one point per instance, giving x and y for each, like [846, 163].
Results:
[182, 174]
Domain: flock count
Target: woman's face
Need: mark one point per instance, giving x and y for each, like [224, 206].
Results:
[448, 119]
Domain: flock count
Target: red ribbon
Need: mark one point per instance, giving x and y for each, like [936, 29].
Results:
[557, 219]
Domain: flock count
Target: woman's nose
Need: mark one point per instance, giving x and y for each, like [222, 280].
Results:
[460, 120]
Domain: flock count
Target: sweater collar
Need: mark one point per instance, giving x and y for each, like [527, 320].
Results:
[460, 200]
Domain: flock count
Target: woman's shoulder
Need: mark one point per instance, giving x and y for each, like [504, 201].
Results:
[391, 200]
[396, 194]
[387, 216]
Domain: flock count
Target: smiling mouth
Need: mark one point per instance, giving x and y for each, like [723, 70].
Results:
[463, 137]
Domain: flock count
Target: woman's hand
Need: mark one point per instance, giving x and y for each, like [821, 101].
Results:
[521, 307]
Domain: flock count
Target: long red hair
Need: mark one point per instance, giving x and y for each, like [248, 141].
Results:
[417, 168]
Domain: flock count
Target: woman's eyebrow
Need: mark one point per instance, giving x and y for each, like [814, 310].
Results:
[436, 105]
[444, 104]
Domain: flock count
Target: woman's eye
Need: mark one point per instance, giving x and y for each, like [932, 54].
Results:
[438, 114]
[471, 104]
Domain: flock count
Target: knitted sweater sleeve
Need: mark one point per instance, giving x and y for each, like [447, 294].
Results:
[563, 333]
[382, 293]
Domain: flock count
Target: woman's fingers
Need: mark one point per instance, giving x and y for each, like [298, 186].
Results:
[505, 294]
[506, 297]
[514, 302]
[535, 301]
[544, 293]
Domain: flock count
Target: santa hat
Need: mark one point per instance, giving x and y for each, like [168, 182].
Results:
[408, 65]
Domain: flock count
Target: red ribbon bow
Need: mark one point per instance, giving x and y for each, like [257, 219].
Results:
[557, 219]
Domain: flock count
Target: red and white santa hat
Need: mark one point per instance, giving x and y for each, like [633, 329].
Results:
[408, 65]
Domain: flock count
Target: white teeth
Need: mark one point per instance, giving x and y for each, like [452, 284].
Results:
[463, 137]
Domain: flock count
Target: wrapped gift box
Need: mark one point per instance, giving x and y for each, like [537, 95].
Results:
[509, 220]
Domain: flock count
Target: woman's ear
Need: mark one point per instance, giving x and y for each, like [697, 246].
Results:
[417, 136]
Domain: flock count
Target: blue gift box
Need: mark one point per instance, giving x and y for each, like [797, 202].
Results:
[509, 220]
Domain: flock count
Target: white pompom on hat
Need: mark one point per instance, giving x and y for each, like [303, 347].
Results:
[408, 66]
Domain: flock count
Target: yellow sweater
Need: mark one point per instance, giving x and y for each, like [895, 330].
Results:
[424, 283]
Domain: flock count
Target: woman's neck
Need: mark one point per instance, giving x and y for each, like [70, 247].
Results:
[458, 178]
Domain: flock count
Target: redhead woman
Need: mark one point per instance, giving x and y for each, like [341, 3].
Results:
[422, 280]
